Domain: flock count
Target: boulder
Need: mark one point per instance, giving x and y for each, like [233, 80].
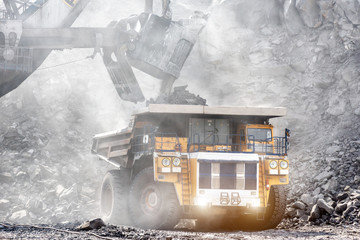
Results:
[325, 206]
[315, 213]
[333, 149]
[4, 203]
[293, 21]
[316, 191]
[70, 193]
[348, 211]
[324, 175]
[300, 213]
[92, 224]
[355, 196]
[299, 205]
[331, 185]
[307, 199]
[19, 216]
[342, 196]
[337, 106]
[5, 177]
[59, 189]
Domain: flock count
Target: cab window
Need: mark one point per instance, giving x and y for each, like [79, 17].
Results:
[260, 134]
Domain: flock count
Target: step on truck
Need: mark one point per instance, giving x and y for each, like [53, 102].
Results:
[219, 165]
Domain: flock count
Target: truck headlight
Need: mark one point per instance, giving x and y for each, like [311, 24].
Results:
[165, 162]
[284, 164]
[273, 164]
[176, 162]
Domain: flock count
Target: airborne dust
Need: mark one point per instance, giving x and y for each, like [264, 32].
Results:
[302, 56]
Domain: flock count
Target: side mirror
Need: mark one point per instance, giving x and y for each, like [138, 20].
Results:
[287, 132]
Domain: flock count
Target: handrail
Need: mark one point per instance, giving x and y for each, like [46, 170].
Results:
[220, 143]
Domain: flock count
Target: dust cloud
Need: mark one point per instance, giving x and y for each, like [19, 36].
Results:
[250, 53]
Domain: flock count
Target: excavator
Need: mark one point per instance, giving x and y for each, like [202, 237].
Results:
[154, 44]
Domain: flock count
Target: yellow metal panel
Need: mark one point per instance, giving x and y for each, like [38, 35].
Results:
[193, 167]
[171, 144]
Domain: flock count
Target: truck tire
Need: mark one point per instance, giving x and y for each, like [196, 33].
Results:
[114, 200]
[274, 213]
[276, 207]
[154, 205]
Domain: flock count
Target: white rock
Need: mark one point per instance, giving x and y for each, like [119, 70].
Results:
[293, 21]
[19, 216]
[316, 191]
[4, 203]
[307, 199]
[70, 193]
[309, 12]
[257, 56]
[333, 149]
[324, 175]
[330, 185]
[59, 189]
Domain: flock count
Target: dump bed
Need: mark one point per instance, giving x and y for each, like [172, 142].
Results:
[113, 147]
[118, 147]
[268, 112]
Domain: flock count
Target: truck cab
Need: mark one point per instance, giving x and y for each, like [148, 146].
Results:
[207, 163]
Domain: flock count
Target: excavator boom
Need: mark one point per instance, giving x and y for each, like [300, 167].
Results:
[153, 44]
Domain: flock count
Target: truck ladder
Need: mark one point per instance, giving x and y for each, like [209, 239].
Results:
[186, 180]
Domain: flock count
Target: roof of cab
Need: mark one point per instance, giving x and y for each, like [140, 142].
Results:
[213, 110]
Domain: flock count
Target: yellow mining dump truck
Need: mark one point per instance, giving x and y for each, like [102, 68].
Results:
[219, 165]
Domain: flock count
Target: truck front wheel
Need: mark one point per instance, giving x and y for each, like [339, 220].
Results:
[273, 215]
[114, 192]
[153, 205]
[276, 207]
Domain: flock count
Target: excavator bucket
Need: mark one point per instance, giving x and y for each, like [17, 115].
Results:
[163, 46]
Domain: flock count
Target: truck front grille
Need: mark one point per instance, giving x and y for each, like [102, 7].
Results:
[233, 175]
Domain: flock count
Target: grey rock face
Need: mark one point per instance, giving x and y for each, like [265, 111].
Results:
[351, 9]
[293, 20]
[309, 12]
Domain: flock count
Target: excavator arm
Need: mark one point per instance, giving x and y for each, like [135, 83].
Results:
[153, 44]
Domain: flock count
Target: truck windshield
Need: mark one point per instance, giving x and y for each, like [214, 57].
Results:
[260, 134]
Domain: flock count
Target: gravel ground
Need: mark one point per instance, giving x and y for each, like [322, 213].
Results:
[114, 232]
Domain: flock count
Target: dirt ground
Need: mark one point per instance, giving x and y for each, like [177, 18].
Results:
[8, 231]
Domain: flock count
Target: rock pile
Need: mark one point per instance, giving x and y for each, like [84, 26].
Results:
[180, 96]
[45, 175]
[332, 194]
[300, 54]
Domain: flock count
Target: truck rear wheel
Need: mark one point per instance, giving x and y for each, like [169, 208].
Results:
[114, 192]
[154, 205]
[276, 207]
